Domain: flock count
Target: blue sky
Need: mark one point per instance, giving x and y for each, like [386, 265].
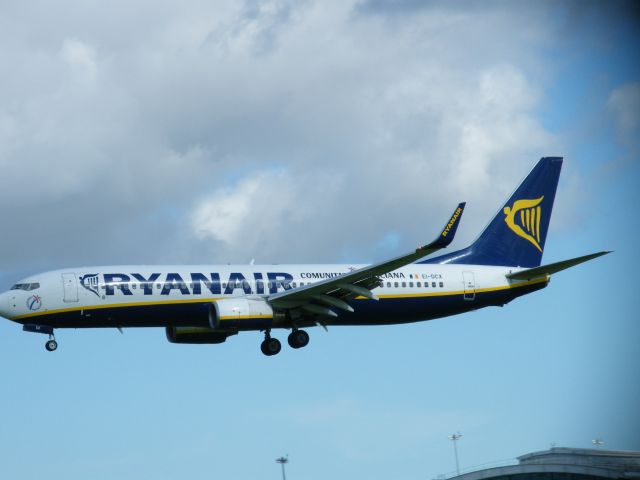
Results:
[317, 132]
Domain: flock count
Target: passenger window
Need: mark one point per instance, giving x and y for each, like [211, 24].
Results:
[224, 285]
[388, 284]
[158, 285]
[441, 284]
[418, 284]
[395, 284]
[404, 284]
[133, 285]
[411, 284]
[433, 284]
[293, 284]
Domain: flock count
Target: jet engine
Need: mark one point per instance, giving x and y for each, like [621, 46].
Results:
[226, 318]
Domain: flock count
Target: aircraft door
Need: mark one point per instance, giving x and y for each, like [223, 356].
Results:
[70, 286]
[469, 281]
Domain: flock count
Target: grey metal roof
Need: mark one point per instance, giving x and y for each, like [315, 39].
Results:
[612, 464]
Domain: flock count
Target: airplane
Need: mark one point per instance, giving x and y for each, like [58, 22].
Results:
[206, 304]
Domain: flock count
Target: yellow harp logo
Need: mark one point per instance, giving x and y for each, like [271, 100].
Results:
[529, 216]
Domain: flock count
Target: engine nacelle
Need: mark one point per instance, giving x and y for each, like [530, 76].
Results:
[243, 313]
[197, 335]
[226, 318]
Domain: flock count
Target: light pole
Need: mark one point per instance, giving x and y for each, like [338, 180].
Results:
[282, 461]
[454, 437]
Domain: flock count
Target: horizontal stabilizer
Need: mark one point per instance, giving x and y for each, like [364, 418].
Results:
[543, 270]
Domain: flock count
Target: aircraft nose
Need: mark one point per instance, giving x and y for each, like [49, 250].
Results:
[4, 304]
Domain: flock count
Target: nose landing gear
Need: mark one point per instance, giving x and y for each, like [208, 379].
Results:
[51, 344]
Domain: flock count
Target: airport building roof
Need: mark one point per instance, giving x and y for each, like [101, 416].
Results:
[565, 464]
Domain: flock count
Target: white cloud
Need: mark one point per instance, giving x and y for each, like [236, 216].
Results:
[289, 131]
[264, 212]
[223, 215]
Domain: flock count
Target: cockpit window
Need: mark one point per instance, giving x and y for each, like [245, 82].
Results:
[25, 286]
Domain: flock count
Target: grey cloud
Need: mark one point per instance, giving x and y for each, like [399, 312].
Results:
[113, 139]
[405, 7]
[624, 103]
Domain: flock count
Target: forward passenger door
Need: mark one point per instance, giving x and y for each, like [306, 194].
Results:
[70, 286]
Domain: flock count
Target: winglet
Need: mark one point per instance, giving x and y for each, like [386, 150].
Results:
[449, 230]
[358, 282]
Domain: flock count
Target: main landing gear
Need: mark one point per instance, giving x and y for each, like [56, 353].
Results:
[272, 346]
[298, 339]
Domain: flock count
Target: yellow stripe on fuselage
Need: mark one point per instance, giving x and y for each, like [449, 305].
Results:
[244, 317]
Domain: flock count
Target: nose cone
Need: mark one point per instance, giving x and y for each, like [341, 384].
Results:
[5, 310]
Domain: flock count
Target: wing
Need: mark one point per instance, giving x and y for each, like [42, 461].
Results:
[319, 298]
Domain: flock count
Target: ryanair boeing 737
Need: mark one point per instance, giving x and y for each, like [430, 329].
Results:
[209, 303]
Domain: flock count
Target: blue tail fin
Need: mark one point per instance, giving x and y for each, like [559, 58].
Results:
[516, 235]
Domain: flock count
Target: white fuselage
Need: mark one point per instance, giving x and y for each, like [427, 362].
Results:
[111, 288]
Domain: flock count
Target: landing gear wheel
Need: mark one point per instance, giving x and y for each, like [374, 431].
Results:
[271, 346]
[51, 345]
[298, 339]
